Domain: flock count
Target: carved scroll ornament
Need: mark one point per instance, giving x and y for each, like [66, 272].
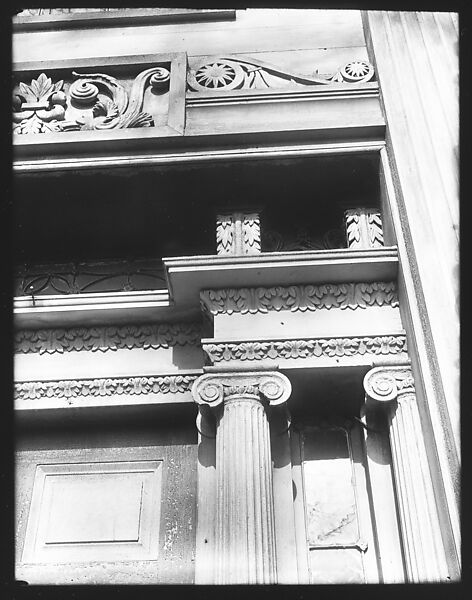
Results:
[223, 73]
[385, 384]
[211, 390]
[41, 106]
[299, 298]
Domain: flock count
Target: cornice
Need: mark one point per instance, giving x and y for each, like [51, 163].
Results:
[305, 348]
[299, 298]
[106, 338]
[80, 388]
[188, 275]
[98, 309]
[192, 156]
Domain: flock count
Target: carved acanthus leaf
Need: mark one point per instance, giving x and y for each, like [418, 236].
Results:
[92, 339]
[41, 106]
[81, 388]
[299, 297]
[251, 234]
[306, 348]
[224, 234]
[364, 228]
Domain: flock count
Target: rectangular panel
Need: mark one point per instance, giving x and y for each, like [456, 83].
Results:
[93, 508]
[334, 542]
[94, 511]
[329, 492]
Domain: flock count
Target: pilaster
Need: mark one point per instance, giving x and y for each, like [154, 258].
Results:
[393, 386]
[245, 551]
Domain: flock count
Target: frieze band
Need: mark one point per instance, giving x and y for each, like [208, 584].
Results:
[299, 297]
[77, 388]
[331, 347]
[107, 338]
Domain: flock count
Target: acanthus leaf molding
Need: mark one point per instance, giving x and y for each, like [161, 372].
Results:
[299, 298]
[306, 348]
[79, 388]
[42, 106]
[106, 338]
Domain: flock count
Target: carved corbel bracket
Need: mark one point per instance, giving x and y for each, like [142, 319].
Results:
[212, 390]
[364, 228]
[238, 233]
[386, 384]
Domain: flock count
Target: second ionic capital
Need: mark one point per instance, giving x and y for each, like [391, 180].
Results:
[388, 383]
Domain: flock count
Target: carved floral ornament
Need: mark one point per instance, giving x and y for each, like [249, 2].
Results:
[92, 339]
[231, 73]
[299, 298]
[42, 106]
[307, 348]
[212, 390]
[81, 388]
[385, 384]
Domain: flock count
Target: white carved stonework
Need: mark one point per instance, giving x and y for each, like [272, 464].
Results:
[42, 106]
[245, 531]
[305, 348]
[238, 233]
[299, 297]
[423, 549]
[364, 228]
[76, 389]
[225, 73]
[92, 339]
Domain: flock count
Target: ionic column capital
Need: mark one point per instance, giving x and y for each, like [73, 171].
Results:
[214, 389]
[389, 383]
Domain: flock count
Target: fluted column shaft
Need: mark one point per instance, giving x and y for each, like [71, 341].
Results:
[245, 509]
[423, 548]
[245, 550]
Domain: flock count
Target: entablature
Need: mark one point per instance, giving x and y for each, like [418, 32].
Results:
[81, 108]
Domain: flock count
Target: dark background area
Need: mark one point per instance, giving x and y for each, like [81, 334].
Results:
[151, 212]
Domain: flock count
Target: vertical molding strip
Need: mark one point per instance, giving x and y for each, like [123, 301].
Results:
[422, 151]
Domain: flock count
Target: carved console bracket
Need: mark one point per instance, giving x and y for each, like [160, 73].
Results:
[364, 228]
[212, 390]
[238, 233]
[393, 387]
